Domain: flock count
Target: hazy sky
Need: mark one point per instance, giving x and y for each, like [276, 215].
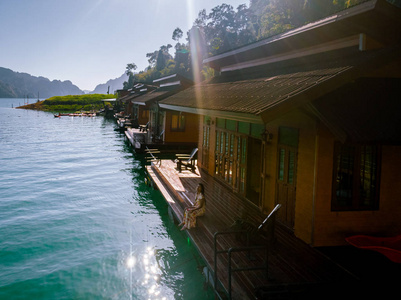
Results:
[90, 41]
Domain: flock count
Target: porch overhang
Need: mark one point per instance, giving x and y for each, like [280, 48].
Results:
[259, 100]
[287, 86]
[377, 67]
[242, 117]
[150, 98]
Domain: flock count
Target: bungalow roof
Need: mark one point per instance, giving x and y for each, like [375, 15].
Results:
[173, 80]
[138, 90]
[168, 86]
[152, 96]
[291, 82]
[284, 86]
[254, 95]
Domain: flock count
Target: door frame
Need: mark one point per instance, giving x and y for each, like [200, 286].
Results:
[285, 193]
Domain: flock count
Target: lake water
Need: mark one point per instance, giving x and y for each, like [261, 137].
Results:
[77, 220]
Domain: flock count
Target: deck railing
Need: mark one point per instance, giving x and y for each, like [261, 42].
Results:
[230, 251]
[247, 248]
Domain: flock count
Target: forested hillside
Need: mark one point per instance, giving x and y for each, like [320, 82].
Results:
[226, 27]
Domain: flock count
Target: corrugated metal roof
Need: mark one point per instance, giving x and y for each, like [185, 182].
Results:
[253, 95]
[154, 95]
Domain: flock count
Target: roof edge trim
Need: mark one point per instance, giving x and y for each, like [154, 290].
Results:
[326, 47]
[243, 117]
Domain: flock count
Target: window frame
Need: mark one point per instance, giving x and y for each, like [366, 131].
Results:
[231, 159]
[355, 156]
[181, 122]
[205, 145]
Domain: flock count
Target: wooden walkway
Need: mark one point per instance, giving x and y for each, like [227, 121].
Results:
[294, 268]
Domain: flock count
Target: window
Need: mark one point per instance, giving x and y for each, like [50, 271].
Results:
[231, 158]
[206, 142]
[234, 142]
[177, 122]
[356, 177]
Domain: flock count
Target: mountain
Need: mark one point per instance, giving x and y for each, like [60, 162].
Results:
[20, 85]
[110, 86]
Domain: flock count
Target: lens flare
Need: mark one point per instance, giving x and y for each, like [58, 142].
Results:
[131, 262]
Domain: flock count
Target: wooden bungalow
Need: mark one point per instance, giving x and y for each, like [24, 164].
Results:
[119, 104]
[139, 114]
[125, 113]
[165, 129]
[309, 119]
[128, 103]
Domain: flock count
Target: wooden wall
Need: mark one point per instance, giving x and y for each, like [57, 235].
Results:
[143, 115]
[191, 133]
[332, 227]
[305, 178]
[315, 223]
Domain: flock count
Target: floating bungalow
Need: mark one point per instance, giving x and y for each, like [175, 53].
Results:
[305, 126]
[127, 114]
[108, 107]
[309, 119]
[164, 129]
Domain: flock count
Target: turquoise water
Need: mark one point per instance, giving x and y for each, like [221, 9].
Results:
[77, 220]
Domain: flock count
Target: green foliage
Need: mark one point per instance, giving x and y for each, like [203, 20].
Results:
[278, 16]
[207, 73]
[71, 103]
[129, 68]
[226, 28]
[177, 34]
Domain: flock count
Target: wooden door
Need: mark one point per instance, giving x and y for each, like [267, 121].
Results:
[286, 184]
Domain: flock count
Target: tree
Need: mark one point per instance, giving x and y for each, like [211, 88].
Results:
[225, 28]
[129, 71]
[152, 57]
[177, 34]
[181, 56]
[200, 22]
[163, 57]
[277, 16]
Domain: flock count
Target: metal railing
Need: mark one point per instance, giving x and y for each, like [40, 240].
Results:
[232, 250]
[247, 248]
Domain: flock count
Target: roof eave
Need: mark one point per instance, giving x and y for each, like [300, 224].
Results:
[242, 117]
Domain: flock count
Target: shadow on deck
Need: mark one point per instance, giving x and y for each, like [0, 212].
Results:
[294, 268]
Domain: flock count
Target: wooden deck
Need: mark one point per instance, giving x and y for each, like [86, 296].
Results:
[142, 139]
[294, 267]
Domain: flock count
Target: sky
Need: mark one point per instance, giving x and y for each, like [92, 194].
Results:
[91, 41]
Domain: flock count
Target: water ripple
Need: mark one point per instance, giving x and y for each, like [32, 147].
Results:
[74, 209]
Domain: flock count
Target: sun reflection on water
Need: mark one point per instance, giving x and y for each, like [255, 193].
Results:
[151, 271]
